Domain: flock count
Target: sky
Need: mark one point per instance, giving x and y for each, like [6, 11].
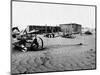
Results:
[25, 13]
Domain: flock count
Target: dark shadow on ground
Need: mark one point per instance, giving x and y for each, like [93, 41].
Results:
[18, 50]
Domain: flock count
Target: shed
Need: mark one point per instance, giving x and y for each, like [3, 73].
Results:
[71, 28]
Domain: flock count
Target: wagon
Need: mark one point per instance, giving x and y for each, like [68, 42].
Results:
[26, 41]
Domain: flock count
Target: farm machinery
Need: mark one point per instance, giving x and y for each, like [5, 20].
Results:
[25, 41]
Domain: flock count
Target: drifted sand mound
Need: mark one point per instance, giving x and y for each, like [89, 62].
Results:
[61, 55]
[31, 62]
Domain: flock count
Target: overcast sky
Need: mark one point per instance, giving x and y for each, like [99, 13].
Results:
[25, 13]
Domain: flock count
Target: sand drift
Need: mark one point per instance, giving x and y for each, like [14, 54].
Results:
[60, 54]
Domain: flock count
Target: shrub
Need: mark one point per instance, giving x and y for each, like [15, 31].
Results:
[88, 33]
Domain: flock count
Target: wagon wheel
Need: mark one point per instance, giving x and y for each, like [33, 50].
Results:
[37, 43]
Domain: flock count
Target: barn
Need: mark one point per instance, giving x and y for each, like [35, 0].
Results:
[71, 28]
[44, 28]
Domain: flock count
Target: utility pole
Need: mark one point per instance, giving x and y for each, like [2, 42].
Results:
[57, 29]
[46, 28]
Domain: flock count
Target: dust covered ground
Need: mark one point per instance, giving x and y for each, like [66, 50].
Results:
[59, 54]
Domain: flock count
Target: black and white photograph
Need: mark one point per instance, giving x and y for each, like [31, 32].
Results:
[52, 37]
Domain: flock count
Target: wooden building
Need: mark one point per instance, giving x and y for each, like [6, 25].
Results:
[44, 28]
[71, 28]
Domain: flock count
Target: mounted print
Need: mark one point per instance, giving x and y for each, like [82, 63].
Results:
[52, 37]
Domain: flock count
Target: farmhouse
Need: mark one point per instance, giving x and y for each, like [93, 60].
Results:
[71, 28]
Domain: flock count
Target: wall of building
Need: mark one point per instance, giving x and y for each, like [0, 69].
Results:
[45, 29]
[76, 28]
[70, 28]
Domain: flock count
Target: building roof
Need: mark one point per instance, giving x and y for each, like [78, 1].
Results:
[71, 24]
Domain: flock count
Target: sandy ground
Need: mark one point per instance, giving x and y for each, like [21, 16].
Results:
[60, 54]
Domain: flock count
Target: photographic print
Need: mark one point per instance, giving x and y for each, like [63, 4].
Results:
[52, 37]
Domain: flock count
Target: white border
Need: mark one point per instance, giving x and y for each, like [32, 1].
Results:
[5, 37]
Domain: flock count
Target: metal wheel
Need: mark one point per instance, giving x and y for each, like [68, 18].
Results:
[37, 43]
